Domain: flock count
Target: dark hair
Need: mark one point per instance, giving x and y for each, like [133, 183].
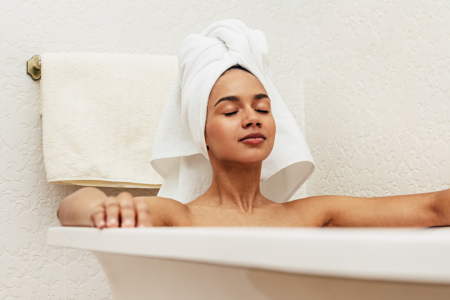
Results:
[236, 67]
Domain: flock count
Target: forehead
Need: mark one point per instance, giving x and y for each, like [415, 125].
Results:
[235, 82]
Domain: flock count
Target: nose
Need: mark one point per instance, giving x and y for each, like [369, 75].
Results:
[251, 118]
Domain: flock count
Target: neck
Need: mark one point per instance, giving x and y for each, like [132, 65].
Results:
[235, 185]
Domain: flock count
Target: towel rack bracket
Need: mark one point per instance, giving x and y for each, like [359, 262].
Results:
[34, 67]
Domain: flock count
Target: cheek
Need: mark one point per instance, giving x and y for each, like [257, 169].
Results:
[220, 133]
[271, 128]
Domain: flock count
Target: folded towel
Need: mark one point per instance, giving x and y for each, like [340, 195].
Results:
[179, 151]
[100, 113]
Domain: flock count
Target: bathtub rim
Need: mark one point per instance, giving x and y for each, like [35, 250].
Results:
[417, 255]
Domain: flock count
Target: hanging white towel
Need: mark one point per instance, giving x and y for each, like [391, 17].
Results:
[100, 113]
[179, 151]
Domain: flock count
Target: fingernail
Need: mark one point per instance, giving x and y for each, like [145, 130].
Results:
[101, 224]
[127, 223]
[142, 225]
[112, 221]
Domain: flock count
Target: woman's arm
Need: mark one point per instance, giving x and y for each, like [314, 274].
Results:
[91, 207]
[440, 204]
[418, 210]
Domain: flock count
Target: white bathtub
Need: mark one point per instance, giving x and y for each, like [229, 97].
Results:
[267, 263]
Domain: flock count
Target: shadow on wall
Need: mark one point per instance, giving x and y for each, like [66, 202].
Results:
[113, 191]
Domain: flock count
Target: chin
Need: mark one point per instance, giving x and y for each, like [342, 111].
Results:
[253, 157]
[244, 155]
[244, 159]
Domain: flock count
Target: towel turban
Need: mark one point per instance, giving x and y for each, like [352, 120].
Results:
[179, 151]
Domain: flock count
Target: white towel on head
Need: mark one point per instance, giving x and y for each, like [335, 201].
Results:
[179, 152]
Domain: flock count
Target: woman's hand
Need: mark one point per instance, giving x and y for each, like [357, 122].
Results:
[122, 210]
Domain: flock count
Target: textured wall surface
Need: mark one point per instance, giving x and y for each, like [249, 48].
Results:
[376, 84]
[28, 268]
[373, 77]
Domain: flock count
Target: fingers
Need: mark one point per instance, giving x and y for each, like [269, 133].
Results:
[98, 217]
[143, 213]
[127, 209]
[122, 210]
[112, 212]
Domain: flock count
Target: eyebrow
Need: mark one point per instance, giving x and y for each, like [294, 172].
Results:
[236, 98]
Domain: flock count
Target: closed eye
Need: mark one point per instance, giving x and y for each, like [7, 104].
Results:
[231, 113]
[263, 111]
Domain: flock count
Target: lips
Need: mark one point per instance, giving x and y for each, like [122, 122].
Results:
[255, 136]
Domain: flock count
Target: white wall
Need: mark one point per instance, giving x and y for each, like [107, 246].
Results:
[28, 204]
[376, 81]
[374, 75]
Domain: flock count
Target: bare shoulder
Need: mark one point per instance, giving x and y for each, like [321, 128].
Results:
[334, 210]
[310, 211]
[166, 211]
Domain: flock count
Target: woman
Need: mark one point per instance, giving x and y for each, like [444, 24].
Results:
[239, 134]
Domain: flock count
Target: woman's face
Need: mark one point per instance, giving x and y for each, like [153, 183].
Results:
[239, 106]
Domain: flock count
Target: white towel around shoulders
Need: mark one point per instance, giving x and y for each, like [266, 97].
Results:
[100, 113]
